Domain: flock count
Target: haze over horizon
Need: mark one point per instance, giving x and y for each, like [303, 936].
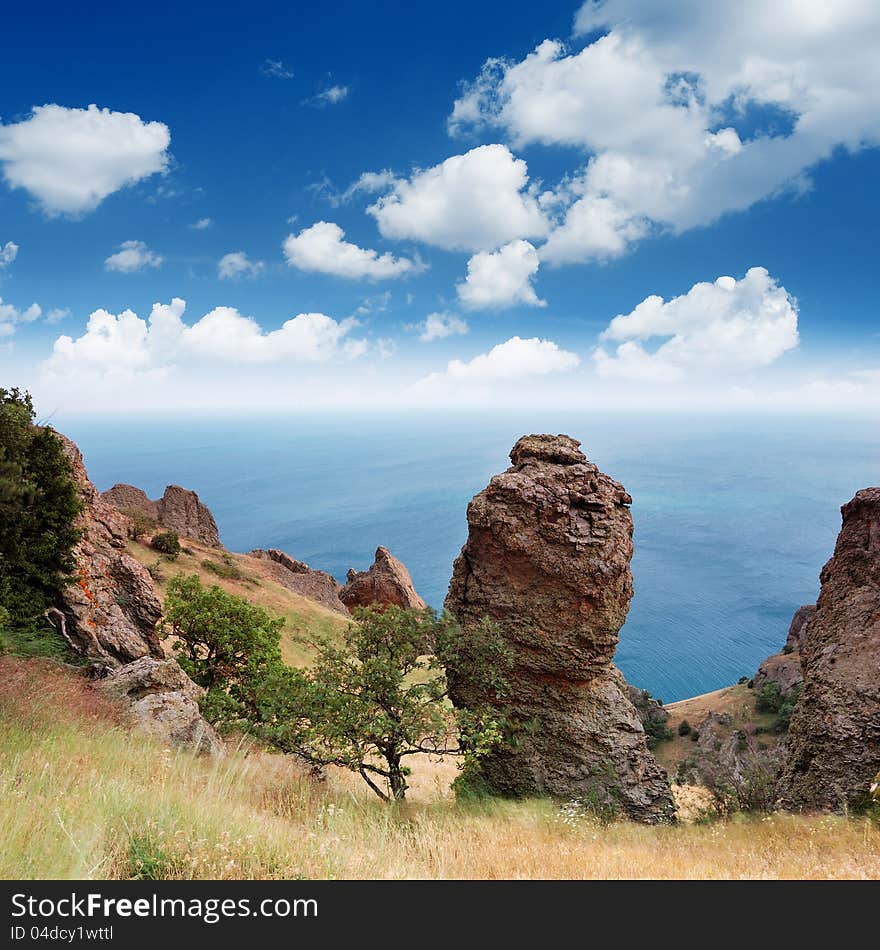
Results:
[585, 207]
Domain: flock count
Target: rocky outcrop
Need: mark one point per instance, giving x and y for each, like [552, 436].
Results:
[784, 668]
[649, 710]
[547, 559]
[386, 582]
[164, 703]
[179, 509]
[298, 577]
[834, 738]
[108, 614]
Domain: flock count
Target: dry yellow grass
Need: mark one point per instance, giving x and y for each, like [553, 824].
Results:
[302, 616]
[82, 800]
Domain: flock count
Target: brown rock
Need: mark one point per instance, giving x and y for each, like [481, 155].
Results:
[547, 559]
[111, 609]
[164, 703]
[784, 668]
[834, 738]
[797, 631]
[179, 509]
[303, 580]
[386, 582]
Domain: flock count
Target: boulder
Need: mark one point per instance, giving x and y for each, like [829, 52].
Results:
[547, 559]
[386, 582]
[179, 509]
[834, 737]
[298, 577]
[163, 702]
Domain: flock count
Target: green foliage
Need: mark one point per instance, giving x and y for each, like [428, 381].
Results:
[141, 524]
[167, 543]
[227, 569]
[768, 699]
[786, 708]
[684, 728]
[788, 648]
[742, 681]
[39, 504]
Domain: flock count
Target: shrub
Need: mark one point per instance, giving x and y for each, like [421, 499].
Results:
[228, 570]
[768, 699]
[140, 523]
[742, 681]
[788, 648]
[695, 735]
[684, 728]
[39, 504]
[167, 543]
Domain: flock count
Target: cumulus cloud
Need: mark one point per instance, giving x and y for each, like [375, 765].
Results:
[472, 202]
[668, 105]
[719, 327]
[11, 317]
[70, 160]
[237, 264]
[8, 253]
[132, 256]
[202, 224]
[512, 360]
[502, 278]
[321, 249]
[440, 325]
[115, 345]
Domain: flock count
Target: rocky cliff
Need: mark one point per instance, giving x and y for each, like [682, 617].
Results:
[784, 668]
[109, 613]
[179, 509]
[834, 738]
[298, 577]
[547, 559]
[386, 582]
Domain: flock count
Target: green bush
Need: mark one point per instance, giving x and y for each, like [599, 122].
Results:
[788, 648]
[742, 681]
[228, 570]
[768, 699]
[684, 728]
[167, 543]
[39, 504]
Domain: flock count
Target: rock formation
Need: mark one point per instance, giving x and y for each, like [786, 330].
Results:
[164, 703]
[386, 582]
[834, 738]
[177, 510]
[784, 668]
[109, 612]
[301, 579]
[547, 559]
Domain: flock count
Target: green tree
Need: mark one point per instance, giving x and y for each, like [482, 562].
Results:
[39, 504]
[382, 696]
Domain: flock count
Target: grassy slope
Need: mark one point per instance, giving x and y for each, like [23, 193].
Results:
[81, 800]
[737, 701]
[302, 616]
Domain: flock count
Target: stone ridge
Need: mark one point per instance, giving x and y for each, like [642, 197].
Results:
[386, 582]
[179, 509]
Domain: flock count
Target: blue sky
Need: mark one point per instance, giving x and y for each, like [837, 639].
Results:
[606, 154]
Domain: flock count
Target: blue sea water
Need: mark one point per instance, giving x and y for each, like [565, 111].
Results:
[734, 516]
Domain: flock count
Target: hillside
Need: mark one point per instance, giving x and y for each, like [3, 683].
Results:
[251, 578]
[87, 802]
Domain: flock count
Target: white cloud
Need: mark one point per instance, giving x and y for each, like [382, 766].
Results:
[8, 253]
[11, 317]
[237, 264]
[132, 256]
[715, 328]
[368, 183]
[124, 344]
[332, 95]
[276, 69]
[70, 160]
[476, 201]
[439, 326]
[321, 248]
[658, 103]
[513, 360]
[57, 314]
[202, 224]
[502, 278]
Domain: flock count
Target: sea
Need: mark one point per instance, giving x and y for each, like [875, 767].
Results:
[734, 514]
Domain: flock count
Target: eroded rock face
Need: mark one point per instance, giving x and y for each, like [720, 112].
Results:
[179, 509]
[109, 613]
[386, 582]
[547, 559]
[164, 703]
[301, 579]
[111, 609]
[834, 738]
[784, 668]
